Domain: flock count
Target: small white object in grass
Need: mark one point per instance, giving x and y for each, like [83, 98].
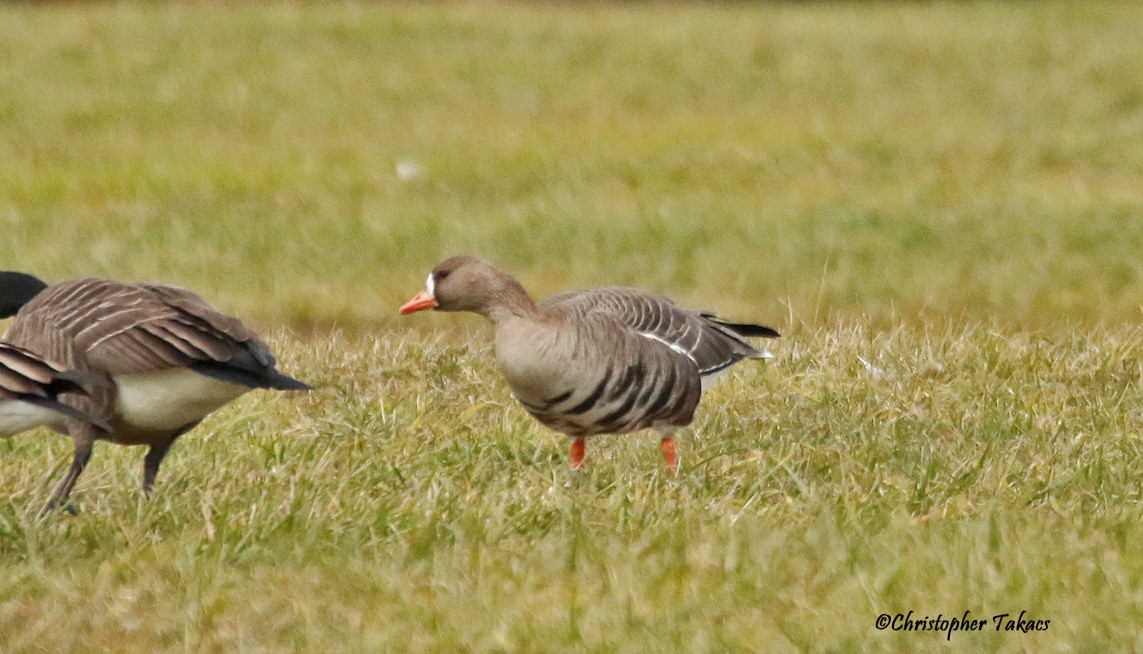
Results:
[409, 169]
[873, 370]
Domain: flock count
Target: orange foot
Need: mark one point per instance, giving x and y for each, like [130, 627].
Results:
[668, 447]
[575, 454]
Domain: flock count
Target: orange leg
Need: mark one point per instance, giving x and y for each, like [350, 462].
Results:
[575, 454]
[668, 447]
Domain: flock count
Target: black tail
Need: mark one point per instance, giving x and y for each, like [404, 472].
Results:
[264, 378]
[744, 328]
[286, 382]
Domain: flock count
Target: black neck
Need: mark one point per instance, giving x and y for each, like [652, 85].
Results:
[16, 289]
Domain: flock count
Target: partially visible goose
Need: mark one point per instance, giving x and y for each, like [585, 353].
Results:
[30, 390]
[168, 359]
[609, 360]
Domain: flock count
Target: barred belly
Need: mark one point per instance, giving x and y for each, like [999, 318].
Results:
[625, 399]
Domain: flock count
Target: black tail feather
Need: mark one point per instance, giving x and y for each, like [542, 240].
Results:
[286, 383]
[266, 378]
[744, 328]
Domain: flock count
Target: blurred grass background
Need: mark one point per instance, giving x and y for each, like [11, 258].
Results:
[898, 162]
[939, 204]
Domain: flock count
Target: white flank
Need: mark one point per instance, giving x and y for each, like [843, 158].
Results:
[669, 344]
[171, 399]
[17, 416]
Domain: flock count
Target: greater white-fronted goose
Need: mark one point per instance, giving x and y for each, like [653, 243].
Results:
[609, 360]
[30, 390]
[168, 357]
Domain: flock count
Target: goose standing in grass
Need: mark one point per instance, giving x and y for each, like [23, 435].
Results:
[609, 360]
[166, 357]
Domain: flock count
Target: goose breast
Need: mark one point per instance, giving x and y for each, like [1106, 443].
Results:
[592, 375]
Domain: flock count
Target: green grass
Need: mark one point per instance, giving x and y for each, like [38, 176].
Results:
[938, 204]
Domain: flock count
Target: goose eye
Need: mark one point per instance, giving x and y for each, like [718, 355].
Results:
[443, 274]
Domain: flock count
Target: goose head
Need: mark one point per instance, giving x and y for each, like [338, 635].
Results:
[467, 283]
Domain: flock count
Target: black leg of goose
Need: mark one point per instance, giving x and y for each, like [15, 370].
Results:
[78, 463]
[155, 455]
[151, 464]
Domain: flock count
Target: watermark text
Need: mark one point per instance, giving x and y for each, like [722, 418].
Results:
[1002, 622]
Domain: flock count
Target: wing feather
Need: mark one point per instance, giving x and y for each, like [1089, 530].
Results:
[711, 343]
[122, 328]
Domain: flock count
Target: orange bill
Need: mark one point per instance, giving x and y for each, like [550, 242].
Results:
[420, 302]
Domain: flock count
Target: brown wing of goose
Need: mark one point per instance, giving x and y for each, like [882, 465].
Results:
[711, 343]
[119, 328]
[251, 363]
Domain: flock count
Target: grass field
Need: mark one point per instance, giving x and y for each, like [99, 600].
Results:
[940, 205]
